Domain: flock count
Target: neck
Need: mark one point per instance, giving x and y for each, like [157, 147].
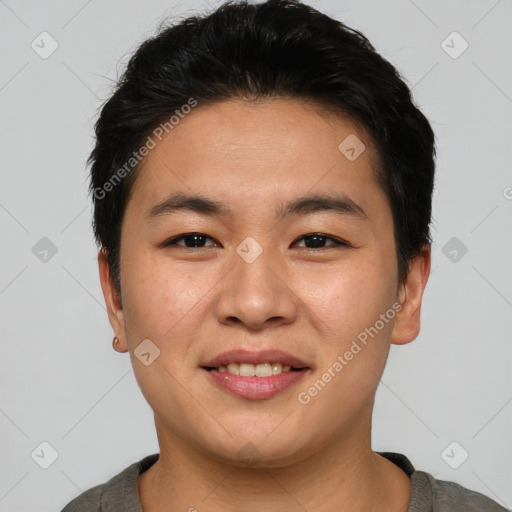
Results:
[345, 475]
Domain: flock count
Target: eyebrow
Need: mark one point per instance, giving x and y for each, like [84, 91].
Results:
[335, 203]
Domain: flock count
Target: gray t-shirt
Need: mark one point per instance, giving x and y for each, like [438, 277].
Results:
[120, 493]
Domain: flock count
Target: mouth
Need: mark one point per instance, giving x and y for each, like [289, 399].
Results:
[266, 369]
[255, 375]
[239, 358]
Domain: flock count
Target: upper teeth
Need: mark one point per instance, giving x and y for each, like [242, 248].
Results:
[258, 370]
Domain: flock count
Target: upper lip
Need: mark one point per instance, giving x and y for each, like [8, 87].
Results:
[262, 356]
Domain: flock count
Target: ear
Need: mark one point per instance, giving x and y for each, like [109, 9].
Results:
[407, 322]
[112, 301]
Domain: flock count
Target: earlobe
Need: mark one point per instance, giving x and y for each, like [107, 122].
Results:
[407, 321]
[112, 301]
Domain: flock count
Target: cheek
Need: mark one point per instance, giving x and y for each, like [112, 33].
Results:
[161, 305]
[348, 297]
[350, 302]
[161, 300]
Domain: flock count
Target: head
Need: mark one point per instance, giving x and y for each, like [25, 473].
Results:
[248, 110]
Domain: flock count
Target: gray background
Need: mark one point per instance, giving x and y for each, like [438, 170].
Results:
[62, 383]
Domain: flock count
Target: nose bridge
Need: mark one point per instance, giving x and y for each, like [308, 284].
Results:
[253, 266]
[254, 291]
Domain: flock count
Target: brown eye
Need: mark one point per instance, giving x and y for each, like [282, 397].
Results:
[192, 240]
[197, 241]
[317, 241]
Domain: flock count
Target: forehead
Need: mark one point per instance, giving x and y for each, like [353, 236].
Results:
[250, 153]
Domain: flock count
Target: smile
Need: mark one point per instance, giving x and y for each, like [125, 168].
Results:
[251, 386]
[252, 370]
[255, 375]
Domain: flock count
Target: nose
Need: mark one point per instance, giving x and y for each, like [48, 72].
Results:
[256, 294]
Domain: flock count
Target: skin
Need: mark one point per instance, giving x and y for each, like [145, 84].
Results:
[196, 303]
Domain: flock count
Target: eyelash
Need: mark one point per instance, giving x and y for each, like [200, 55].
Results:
[337, 242]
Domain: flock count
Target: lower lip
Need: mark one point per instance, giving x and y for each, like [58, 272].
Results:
[256, 388]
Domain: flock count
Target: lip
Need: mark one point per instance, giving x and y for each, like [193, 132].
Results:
[262, 356]
[256, 388]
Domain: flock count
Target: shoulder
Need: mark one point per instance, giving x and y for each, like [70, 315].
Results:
[119, 493]
[88, 501]
[429, 494]
[453, 497]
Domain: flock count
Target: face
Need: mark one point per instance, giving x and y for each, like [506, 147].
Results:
[258, 268]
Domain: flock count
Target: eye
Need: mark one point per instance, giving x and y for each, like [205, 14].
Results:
[197, 240]
[318, 239]
[192, 240]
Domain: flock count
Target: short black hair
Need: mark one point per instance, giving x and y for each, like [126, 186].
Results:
[276, 48]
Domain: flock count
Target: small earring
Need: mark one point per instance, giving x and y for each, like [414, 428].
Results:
[115, 341]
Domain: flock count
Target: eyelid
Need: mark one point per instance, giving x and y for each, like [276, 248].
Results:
[170, 241]
[337, 241]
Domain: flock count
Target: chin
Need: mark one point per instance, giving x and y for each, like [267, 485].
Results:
[259, 450]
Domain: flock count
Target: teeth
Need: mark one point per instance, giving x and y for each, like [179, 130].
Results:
[263, 370]
[247, 370]
[234, 369]
[258, 370]
[277, 368]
